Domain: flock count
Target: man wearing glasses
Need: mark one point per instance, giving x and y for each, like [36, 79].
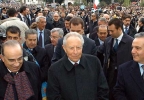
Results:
[56, 33]
[19, 79]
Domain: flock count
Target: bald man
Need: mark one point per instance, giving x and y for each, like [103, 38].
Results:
[107, 17]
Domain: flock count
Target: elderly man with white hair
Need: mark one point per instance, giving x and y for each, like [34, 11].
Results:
[43, 34]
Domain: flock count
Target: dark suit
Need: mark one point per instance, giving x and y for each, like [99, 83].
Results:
[141, 29]
[47, 39]
[101, 57]
[131, 31]
[49, 50]
[83, 82]
[26, 21]
[113, 59]
[130, 85]
[33, 74]
[65, 31]
[89, 47]
[42, 59]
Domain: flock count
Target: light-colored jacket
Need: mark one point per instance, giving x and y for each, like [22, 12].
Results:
[14, 21]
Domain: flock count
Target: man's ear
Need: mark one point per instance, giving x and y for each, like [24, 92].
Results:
[64, 47]
[1, 57]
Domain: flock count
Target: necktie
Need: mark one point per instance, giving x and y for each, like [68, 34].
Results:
[40, 39]
[76, 64]
[126, 30]
[143, 71]
[116, 45]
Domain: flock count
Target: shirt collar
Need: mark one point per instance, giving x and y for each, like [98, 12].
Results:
[11, 71]
[120, 37]
[74, 62]
[125, 27]
[39, 30]
[140, 67]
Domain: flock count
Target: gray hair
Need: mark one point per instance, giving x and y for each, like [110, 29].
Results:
[30, 31]
[73, 34]
[103, 19]
[139, 35]
[39, 17]
[10, 43]
[59, 30]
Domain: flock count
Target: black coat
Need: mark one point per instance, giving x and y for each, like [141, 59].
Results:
[141, 29]
[49, 50]
[42, 58]
[65, 31]
[91, 26]
[33, 74]
[130, 85]
[58, 24]
[89, 47]
[132, 31]
[123, 54]
[83, 82]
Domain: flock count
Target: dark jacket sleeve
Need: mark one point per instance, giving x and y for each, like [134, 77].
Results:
[103, 90]
[119, 89]
[53, 89]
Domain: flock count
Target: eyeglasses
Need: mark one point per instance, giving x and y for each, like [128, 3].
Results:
[54, 37]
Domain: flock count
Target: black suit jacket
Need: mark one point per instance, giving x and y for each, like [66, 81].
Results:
[83, 82]
[89, 47]
[47, 39]
[49, 50]
[141, 29]
[132, 31]
[22, 20]
[33, 74]
[65, 31]
[42, 58]
[123, 54]
[130, 85]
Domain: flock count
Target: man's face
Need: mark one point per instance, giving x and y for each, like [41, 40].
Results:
[46, 10]
[15, 36]
[115, 33]
[31, 41]
[102, 34]
[67, 24]
[41, 24]
[54, 38]
[56, 17]
[127, 21]
[93, 17]
[73, 48]
[13, 58]
[77, 28]
[138, 50]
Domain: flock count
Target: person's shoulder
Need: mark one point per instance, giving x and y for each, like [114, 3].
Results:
[30, 65]
[89, 57]
[128, 37]
[127, 65]
[88, 39]
[48, 45]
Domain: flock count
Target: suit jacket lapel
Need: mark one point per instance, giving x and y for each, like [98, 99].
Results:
[135, 73]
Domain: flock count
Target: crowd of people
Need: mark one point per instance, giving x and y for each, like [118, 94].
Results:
[71, 53]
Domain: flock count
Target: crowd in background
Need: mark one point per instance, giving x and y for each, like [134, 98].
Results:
[105, 42]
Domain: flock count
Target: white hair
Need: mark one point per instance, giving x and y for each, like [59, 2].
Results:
[39, 17]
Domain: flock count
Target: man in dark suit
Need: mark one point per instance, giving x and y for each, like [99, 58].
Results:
[19, 79]
[66, 29]
[130, 82]
[116, 50]
[102, 33]
[56, 33]
[101, 21]
[76, 25]
[76, 76]
[127, 27]
[140, 27]
[38, 52]
[43, 34]
[22, 14]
